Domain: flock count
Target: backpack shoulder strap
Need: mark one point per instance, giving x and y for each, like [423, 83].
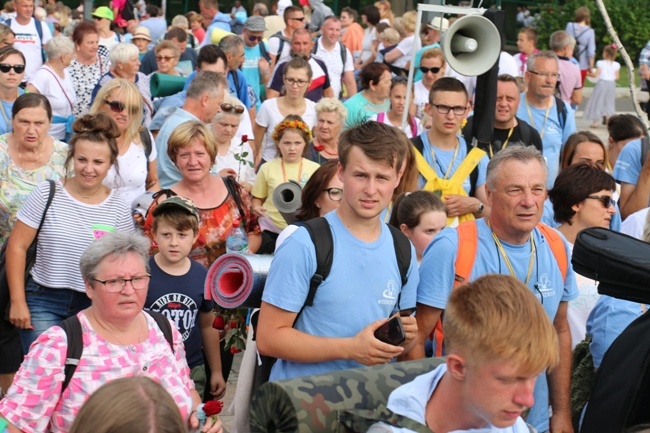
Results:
[645, 147]
[418, 143]
[344, 56]
[381, 116]
[72, 328]
[556, 244]
[164, 325]
[361, 420]
[402, 252]
[321, 235]
[524, 132]
[263, 52]
[561, 111]
[466, 254]
[145, 138]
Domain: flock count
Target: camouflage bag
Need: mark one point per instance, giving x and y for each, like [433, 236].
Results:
[359, 421]
[314, 404]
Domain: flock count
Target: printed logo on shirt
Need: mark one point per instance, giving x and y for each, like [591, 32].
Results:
[101, 230]
[390, 294]
[26, 38]
[544, 287]
[180, 309]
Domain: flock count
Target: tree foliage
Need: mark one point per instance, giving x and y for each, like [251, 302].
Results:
[630, 19]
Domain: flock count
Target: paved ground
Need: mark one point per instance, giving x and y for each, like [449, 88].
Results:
[226, 417]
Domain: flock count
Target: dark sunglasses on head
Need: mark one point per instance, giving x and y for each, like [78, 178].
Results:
[432, 70]
[5, 67]
[255, 38]
[229, 108]
[606, 200]
[116, 106]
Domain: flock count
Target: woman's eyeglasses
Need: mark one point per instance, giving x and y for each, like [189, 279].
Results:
[606, 200]
[116, 106]
[117, 284]
[229, 108]
[5, 68]
[165, 58]
[432, 70]
[294, 82]
[335, 194]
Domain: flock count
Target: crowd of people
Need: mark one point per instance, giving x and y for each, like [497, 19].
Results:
[116, 200]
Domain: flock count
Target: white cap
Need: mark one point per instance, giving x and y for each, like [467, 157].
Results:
[282, 5]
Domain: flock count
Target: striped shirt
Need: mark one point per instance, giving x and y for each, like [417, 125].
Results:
[69, 227]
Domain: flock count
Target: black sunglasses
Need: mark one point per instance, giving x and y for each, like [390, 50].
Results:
[298, 19]
[432, 70]
[606, 200]
[116, 106]
[255, 38]
[5, 67]
[229, 108]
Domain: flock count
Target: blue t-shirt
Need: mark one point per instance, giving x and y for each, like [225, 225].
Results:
[240, 92]
[360, 109]
[168, 174]
[551, 131]
[363, 286]
[180, 298]
[443, 158]
[628, 164]
[5, 115]
[251, 71]
[437, 272]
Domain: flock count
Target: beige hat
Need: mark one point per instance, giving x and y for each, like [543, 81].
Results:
[142, 33]
[435, 24]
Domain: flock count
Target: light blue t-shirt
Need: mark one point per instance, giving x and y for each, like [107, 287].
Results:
[552, 133]
[251, 71]
[168, 174]
[5, 115]
[437, 271]
[363, 286]
[360, 109]
[443, 158]
[628, 164]
[411, 400]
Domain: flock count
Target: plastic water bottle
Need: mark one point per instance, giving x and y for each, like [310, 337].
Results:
[237, 241]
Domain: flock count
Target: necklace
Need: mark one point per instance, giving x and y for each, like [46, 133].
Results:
[39, 156]
[506, 259]
[101, 187]
[335, 153]
[505, 144]
[284, 172]
[451, 163]
[131, 346]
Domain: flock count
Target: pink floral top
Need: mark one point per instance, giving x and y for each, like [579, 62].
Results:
[34, 402]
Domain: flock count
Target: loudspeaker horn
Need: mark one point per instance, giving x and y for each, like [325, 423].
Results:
[471, 45]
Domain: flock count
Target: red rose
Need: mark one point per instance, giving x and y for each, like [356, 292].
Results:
[244, 138]
[319, 147]
[234, 350]
[233, 324]
[219, 323]
[212, 407]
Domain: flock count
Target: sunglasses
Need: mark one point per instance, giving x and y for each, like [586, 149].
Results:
[5, 67]
[255, 38]
[116, 106]
[165, 58]
[298, 19]
[96, 18]
[432, 70]
[229, 108]
[606, 200]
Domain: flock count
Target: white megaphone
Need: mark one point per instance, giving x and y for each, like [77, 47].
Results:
[471, 45]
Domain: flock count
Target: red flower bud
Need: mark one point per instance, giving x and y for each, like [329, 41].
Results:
[212, 407]
[219, 323]
[244, 138]
[232, 324]
[234, 350]
[319, 147]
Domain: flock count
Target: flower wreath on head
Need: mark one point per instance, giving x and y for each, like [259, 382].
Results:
[292, 124]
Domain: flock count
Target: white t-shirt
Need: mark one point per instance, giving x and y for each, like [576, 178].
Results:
[132, 167]
[110, 41]
[608, 69]
[334, 62]
[269, 116]
[246, 171]
[28, 42]
[274, 46]
[406, 46]
[50, 85]
[369, 35]
[420, 98]
[408, 128]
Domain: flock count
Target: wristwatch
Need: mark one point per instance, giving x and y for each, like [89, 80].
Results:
[481, 208]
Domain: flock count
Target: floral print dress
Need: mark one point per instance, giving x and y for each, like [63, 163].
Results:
[85, 78]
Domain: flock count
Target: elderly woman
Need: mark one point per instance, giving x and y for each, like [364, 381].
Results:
[12, 72]
[330, 118]
[400, 56]
[234, 156]
[582, 197]
[119, 339]
[23, 164]
[54, 82]
[125, 63]
[167, 56]
[89, 64]
[376, 80]
[120, 100]
[82, 209]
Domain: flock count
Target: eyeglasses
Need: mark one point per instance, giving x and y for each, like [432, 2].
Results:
[229, 108]
[5, 67]
[295, 82]
[298, 19]
[432, 70]
[140, 282]
[165, 58]
[335, 194]
[545, 74]
[116, 106]
[255, 38]
[606, 200]
[445, 109]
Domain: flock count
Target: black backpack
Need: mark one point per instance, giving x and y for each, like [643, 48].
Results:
[127, 12]
[72, 328]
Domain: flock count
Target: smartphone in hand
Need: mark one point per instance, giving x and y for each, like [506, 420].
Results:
[391, 332]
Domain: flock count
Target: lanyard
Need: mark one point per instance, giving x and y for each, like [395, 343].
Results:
[451, 163]
[505, 144]
[506, 259]
[532, 121]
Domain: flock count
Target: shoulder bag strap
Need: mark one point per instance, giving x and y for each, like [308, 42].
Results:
[72, 328]
[50, 197]
[360, 420]
[61, 86]
[164, 325]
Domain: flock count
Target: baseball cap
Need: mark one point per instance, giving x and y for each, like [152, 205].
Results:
[104, 12]
[177, 202]
[142, 33]
[282, 5]
[255, 23]
[438, 23]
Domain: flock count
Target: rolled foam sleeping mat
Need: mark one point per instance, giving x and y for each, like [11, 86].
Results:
[162, 85]
[311, 404]
[287, 198]
[237, 280]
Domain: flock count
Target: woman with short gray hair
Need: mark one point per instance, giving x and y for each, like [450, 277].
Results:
[53, 81]
[125, 63]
